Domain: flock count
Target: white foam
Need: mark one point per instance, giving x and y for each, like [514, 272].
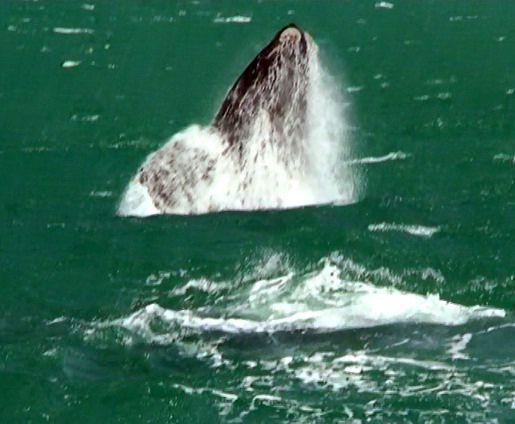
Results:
[156, 280]
[354, 89]
[422, 98]
[444, 95]
[414, 230]
[461, 18]
[378, 159]
[384, 5]
[71, 31]
[85, 118]
[319, 301]
[70, 63]
[238, 19]
[203, 284]
[353, 369]
[101, 193]
[137, 202]
[458, 346]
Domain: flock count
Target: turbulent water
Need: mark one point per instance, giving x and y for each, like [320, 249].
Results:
[389, 298]
[322, 300]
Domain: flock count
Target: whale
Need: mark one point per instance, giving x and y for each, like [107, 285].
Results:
[264, 111]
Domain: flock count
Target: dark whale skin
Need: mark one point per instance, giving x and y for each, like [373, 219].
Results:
[275, 81]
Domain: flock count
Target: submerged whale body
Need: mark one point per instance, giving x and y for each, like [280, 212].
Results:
[257, 153]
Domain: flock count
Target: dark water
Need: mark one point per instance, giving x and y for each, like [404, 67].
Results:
[432, 89]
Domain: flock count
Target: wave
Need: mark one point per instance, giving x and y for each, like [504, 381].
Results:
[325, 300]
[378, 159]
[68, 31]
[237, 19]
[414, 230]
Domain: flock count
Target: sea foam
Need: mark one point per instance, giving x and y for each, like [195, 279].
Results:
[325, 300]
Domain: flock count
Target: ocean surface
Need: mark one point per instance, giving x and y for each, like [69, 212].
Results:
[395, 306]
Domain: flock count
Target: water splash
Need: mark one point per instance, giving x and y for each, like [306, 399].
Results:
[206, 174]
[322, 300]
[246, 330]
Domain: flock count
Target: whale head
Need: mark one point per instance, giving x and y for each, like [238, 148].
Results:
[273, 87]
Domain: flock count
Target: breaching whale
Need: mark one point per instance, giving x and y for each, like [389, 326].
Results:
[252, 156]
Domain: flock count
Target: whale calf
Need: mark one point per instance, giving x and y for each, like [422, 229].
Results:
[252, 156]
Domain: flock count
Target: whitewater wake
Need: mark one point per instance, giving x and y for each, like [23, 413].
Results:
[336, 296]
[313, 170]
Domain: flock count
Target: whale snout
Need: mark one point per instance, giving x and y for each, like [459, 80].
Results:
[292, 35]
[275, 82]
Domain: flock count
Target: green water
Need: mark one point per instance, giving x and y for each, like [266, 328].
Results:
[430, 81]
